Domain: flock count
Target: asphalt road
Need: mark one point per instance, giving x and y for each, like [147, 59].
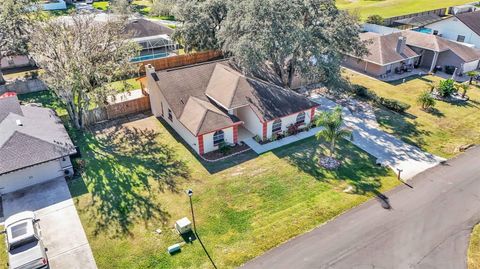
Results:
[428, 226]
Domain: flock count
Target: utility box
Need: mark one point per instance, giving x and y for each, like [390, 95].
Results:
[174, 248]
[183, 225]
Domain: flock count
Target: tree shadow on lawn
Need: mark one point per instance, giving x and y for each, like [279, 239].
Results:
[357, 168]
[400, 127]
[121, 166]
[408, 79]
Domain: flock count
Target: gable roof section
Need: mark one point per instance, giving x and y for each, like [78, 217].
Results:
[471, 20]
[138, 28]
[200, 96]
[202, 117]
[41, 137]
[440, 44]
[9, 105]
[382, 48]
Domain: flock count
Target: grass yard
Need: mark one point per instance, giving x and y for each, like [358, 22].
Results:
[133, 178]
[102, 5]
[391, 8]
[126, 85]
[474, 249]
[243, 207]
[438, 132]
[3, 251]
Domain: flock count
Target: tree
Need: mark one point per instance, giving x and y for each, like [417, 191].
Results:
[333, 129]
[80, 57]
[200, 22]
[463, 87]
[375, 19]
[308, 38]
[162, 7]
[472, 75]
[426, 100]
[121, 7]
[446, 87]
[16, 19]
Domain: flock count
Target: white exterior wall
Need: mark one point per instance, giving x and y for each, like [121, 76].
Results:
[208, 139]
[470, 66]
[34, 175]
[251, 122]
[156, 99]
[452, 27]
[287, 121]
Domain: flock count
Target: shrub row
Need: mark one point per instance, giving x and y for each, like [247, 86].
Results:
[392, 104]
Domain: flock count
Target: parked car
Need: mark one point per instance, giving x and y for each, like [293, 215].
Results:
[24, 245]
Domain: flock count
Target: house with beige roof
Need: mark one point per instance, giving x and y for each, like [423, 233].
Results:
[404, 51]
[212, 103]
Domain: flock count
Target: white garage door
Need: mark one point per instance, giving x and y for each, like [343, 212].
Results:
[470, 66]
[30, 176]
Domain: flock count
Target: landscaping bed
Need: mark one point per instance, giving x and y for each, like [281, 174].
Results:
[219, 154]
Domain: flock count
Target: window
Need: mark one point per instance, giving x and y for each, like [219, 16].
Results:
[170, 117]
[301, 118]
[218, 137]
[461, 38]
[435, 32]
[277, 126]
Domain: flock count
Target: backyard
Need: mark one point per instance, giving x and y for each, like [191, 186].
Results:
[133, 178]
[390, 8]
[439, 132]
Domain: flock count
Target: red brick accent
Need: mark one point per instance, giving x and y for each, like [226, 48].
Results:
[312, 113]
[235, 134]
[200, 145]
[264, 130]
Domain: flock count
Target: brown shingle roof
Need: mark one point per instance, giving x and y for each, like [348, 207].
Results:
[143, 28]
[193, 92]
[471, 19]
[439, 44]
[382, 48]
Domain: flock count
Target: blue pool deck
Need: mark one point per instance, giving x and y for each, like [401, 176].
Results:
[149, 57]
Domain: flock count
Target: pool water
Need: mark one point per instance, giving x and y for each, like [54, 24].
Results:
[149, 57]
[424, 30]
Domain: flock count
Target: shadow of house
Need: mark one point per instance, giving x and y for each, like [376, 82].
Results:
[124, 169]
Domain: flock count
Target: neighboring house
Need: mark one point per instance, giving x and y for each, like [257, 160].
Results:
[15, 62]
[34, 145]
[212, 103]
[463, 27]
[153, 37]
[397, 52]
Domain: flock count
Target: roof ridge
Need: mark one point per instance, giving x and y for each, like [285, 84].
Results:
[380, 46]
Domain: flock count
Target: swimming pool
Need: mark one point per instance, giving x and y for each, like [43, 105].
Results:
[149, 57]
[424, 30]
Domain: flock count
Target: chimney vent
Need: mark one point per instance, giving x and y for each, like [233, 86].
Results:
[19, 123]
[401, 44]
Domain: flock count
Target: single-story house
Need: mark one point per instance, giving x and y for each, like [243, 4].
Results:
[34, 145]
[153, 37]
[212, 103]
[405, 50]
[463, 27]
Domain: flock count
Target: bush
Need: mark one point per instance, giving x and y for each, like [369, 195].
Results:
[392, 104]
[446, 87]
[426, 100]
[449, 69]
[224, 148]
[375, 19]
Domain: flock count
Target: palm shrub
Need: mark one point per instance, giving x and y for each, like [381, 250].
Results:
[446, 87]
[472, 74]
[426, 100]
[333, 128]
[462, 87]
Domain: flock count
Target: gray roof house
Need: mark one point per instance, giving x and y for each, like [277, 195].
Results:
[34, 145]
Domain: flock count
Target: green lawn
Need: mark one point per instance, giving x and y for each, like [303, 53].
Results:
[391, 8]
[438, 132]
[474, 249]
[133, 179]
[102, 5]
[126, 85]
[3, 251]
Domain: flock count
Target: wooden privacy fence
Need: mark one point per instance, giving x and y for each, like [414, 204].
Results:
[391, 21]
[181, 60]
[117, 110]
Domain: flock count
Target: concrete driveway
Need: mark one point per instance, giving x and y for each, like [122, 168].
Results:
[61, 229]
[389, 150]
[428, 227]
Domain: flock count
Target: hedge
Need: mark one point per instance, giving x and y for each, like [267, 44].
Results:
[392, 104]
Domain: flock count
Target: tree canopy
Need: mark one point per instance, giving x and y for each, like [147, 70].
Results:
[80, 58]
[305, 38]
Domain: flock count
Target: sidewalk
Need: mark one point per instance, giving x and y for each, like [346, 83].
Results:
[389, 150]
